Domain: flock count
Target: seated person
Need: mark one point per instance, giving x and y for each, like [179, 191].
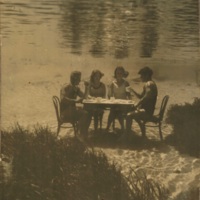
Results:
[95, 88]
[145, 107]
[69, 111]
[118, 91]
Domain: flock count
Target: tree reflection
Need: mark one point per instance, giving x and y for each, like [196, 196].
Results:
[122, 51]
[98, 45]
[103, 27]
[82, 24]
[72, 25]
[150, 33]
[90, 25]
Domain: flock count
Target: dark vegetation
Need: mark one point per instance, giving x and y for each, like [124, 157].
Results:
[45, 168]
[185, 120]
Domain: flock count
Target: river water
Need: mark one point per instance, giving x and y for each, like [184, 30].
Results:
[42, 41]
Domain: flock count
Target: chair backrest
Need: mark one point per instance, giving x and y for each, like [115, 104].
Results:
[56, 102]
[163, 107]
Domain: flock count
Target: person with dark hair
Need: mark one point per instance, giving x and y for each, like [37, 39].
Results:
[94, 89]
[70, 94]
[145, 107]
[117, 90]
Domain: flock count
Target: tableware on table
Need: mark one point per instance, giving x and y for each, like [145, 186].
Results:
[88, 101]
[112, 98]
[98, 99]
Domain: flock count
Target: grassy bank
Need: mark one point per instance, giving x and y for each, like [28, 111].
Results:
[185, 120]
[45, 168]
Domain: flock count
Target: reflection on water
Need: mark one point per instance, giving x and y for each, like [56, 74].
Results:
[125, 28]
[150, 31]
[143, 28]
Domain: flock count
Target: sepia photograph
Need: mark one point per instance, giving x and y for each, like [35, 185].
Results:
[99, 100]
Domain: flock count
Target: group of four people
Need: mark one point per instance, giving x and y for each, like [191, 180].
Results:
[142, 110]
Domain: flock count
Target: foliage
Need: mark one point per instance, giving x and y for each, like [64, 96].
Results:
[142, 187]
[45, 168]
[185, 120]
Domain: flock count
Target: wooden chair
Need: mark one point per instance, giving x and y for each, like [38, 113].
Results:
[156, 120]
[62, 124]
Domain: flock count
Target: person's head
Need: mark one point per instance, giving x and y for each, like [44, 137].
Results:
[75, 77]
[96, 76]
[145, 73]
[120, 73]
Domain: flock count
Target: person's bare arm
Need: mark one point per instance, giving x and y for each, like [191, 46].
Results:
[81, 96]
[138, 95]
[146, 95]
[104, 91]
[66, 93]
[73, 100]
[87, 89]
[128, 93]
[110, 90]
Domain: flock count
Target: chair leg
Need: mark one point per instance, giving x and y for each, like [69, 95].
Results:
[160, 132]
[58, 129]
[95, 123]
[75, 126]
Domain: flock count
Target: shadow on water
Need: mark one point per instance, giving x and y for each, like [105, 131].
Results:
[116, 139]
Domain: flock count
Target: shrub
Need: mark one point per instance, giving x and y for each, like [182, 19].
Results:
[185, 120]
[45, 168]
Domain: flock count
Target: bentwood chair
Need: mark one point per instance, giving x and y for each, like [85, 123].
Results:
[63, 124]
[155, 120]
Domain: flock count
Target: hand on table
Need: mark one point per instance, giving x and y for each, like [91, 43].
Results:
[130, 89]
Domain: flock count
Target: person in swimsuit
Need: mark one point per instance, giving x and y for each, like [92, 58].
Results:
[94, 89]
[70, 95]
[145, 107]
[117, 90]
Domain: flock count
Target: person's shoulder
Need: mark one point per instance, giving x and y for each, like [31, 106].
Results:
[114, 82]
[66, 86]
[103, 84]
[150, 83]
[126, 83]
